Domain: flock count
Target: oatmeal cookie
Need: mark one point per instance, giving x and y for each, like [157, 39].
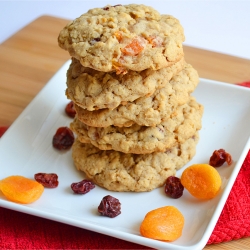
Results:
[148, 111]
[93, 90]
[121, 172]
[124, 37]
[181, 125]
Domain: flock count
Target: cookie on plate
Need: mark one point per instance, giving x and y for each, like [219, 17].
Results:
[124, 37]
[147, 111]
[136, 139]
[93, 90]
[117, 171]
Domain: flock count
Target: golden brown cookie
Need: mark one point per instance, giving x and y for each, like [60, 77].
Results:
[124, 37]
[148, 111]
[117, 171]
[93, 90]
[182, 124]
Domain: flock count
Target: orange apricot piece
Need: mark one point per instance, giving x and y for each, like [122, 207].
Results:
[119, 68]
[118, 35]
[135, 47]
[164, 223]
[155, 41]
[202, 181]
[21, 189]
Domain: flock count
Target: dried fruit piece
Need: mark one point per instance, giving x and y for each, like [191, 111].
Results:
[173, 187]
[82, 187]
[109, 206]
[95, 40]
[70, 110]
[156, 41]
[47, 180]
[63, 139]
[21, 189]
[119, 68]
[135, 47]
[118, 35]
[219, 157]
[201, 180]
[164, 223]
[107, 7]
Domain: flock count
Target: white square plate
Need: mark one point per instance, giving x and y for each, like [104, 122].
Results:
[26, 149]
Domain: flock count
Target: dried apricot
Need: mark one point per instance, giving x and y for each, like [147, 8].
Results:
[135, 47]
[21, 189]
[118, 35]
[119, 68]
[202, 181]
[164, 223]
[156, 41]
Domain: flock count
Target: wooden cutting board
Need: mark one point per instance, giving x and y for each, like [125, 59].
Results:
[31, 57]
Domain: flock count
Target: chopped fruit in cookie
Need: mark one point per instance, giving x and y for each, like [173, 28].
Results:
[118, 35]
[135, 47]
[119, 68]
[156, 41]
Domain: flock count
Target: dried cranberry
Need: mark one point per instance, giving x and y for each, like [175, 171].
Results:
[70, 110]
[107, 8]
[109, 206]
[63, 139]
[219, 157]
[47, 180]
[173, 187]
[95, 40]
[82, 187]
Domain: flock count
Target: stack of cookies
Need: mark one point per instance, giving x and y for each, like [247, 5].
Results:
[136, 121]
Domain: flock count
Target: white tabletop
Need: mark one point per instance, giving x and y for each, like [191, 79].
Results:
[222, 25]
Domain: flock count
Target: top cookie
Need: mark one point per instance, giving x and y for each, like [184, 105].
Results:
[124, 37]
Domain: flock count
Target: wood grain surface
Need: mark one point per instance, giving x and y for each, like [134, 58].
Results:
[31, 57]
